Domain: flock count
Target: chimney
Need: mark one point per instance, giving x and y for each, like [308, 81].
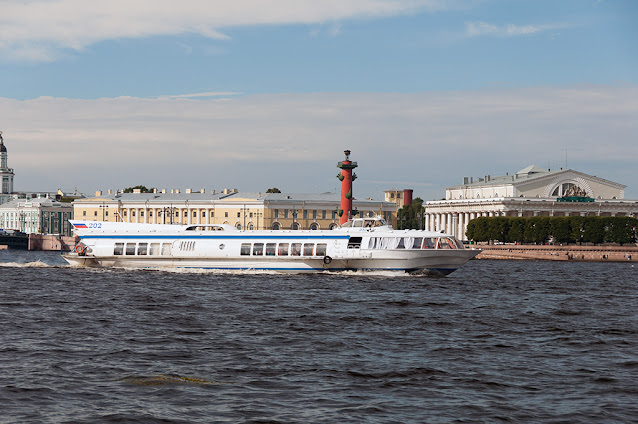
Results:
[155, 190]
[465, 180]
[407, 196]
[234, 190]
[110, 191]
[212, 192]
[137, 191]
[98, 193]
[189, 191]
[202, 191]
[163, 191]
[226, 191]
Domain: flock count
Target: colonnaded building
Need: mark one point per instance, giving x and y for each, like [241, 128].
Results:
[276, 211]
[532, 191]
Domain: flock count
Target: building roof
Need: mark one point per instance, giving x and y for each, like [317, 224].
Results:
[229, 197]
[34, 202]
[524, 175]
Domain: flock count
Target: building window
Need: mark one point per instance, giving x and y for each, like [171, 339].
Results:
[314, 214]
[194, 214]
[323, 214]
[83, 213]
[276, 226]
[226, 214]
[238, 214]
[276, 213]
[94, 213]
[285, 213]
[305, 214]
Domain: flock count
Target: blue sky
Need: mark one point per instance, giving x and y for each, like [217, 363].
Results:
[124, 90]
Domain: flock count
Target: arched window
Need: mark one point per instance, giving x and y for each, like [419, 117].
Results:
[276, 226]
[332, 226]
[238, 226]
[314, 226]
[295, 226]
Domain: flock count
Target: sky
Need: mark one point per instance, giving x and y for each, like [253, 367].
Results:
[253, 95]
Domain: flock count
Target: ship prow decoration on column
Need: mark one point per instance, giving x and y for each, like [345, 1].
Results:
[346, 177]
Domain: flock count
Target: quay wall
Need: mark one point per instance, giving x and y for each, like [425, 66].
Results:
[561, 253]
[51, 242]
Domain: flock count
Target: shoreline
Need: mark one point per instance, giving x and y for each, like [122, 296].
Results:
[560, 253]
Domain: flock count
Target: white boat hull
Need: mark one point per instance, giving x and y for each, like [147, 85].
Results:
[356, 249]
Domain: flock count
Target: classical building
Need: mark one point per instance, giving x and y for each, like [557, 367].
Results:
[6, 173]
[242, 210]
[40, 215]
[532, 191]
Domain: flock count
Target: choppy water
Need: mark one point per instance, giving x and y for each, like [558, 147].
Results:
[494, 341]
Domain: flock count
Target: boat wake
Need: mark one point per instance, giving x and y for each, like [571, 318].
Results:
[34, 264]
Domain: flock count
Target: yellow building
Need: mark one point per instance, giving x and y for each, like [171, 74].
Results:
[242, 210]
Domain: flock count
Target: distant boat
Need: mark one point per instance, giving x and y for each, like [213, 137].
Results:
[361, 244]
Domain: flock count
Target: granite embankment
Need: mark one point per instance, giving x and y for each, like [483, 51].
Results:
[561, 253]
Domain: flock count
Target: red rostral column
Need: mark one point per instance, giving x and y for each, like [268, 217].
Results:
[346, 177]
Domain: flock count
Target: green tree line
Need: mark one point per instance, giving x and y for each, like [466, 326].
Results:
[567, 229]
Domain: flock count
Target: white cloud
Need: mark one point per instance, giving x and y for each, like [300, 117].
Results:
[42, 27]
[477, 29]
[293, 141]
[194, 95]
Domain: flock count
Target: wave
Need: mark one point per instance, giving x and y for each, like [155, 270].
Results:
[34, 264]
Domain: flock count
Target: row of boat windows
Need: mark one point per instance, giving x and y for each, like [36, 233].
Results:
[414, 243]
[153, 249]
[283, 249]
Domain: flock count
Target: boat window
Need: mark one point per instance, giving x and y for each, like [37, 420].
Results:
[118, 249]
[283, 249]
[372, 243]
[142, 248]
[296, 249]
[166, 249]
[130, 248]
[154, 249]
[308, 249]
[369, 223]
[401, 243]
[270, 249]
[418, 241]
[245, 249]
[321, 249]
[357, 223]
[346, 224]
[444, 243]
[258, 249]
[354, 243]
[429, 243]
[459, 243]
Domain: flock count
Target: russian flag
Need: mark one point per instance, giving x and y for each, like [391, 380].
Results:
[80, 226]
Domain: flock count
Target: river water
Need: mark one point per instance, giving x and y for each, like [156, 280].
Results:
[495, 341]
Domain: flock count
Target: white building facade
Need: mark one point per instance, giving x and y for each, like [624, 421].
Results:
[38, 215]
[531, 191]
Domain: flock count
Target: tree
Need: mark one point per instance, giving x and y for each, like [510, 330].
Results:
[411, 217]
[142, 189]
[273, 190]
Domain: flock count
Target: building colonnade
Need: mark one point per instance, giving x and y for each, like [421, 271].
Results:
[454, 219]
